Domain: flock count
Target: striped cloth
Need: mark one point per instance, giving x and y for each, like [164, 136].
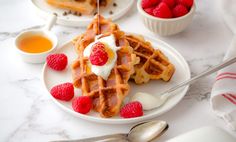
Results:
[223, 95]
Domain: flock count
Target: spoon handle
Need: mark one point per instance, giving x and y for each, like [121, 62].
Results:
[201, 75]
[51, 22]
[106, 138]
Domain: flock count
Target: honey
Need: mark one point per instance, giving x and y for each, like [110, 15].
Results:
[109, 52]
[88, 68]
[35, 44]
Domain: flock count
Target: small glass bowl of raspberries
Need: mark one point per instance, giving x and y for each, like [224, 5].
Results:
[166, 17]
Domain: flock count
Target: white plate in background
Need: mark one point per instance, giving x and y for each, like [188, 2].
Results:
[44, 10]
[182, 73]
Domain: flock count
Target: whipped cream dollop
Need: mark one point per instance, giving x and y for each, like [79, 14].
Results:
[111, 48]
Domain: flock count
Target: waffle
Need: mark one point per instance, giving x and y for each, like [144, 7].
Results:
[153, 63]
[81, 6]
[107, 95]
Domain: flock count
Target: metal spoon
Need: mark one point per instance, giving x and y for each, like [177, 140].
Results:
[142, 132]
[149, 101]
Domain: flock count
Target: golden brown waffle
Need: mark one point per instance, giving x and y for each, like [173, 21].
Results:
[81, 6]
[106, 27]
[153, 63]
[107, 95]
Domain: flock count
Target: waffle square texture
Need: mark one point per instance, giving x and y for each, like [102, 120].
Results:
[107, 95]
[153, 64]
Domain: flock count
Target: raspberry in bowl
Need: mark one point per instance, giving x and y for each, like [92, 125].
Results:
[166, 17]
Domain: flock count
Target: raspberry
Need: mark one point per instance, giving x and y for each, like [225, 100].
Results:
[149, 3]
[162, 11]
[179, 10]
[187, 3]
[98, 55]
[132, 109]
[64, 92]
[57, 62]
[170, 3]
[82, 104]
[149, 10]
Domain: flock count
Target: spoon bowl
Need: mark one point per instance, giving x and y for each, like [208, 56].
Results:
[149, 101]
[147, 131]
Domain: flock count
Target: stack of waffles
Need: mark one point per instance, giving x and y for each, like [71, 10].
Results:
[136, 59]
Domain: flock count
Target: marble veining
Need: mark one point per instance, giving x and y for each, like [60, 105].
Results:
[29, 115]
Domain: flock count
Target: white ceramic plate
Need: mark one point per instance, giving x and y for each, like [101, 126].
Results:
[182, 73]
[44, 10]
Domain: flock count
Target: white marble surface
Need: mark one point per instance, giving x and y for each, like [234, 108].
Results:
[27, 113]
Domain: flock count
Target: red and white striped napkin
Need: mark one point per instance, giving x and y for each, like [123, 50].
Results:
[223, 95]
